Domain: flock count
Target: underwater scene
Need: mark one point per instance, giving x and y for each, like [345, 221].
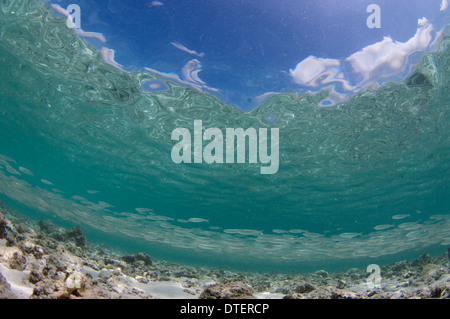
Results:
[212, 135]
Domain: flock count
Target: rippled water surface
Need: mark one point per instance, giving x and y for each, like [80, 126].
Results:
[82, 143]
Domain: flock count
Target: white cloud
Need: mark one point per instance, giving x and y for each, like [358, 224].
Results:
[87, 34]
[108, 57]
[444, 5]
[311, 70]
[97, 35]
[156, 4]
[374, 62]
[318, 72]
[185, 49]
[388, 57]
[189, 74]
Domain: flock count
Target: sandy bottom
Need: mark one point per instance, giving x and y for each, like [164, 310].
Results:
[45, 261]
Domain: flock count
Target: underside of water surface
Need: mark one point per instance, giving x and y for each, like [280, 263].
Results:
[365, 181]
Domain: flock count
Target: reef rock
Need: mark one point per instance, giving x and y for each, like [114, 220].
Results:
[230, 290]
[50, 289]
[77, 236]
[138, 257]
[7, 230]
[75, 281]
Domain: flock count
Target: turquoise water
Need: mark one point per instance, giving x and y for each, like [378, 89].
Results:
[81, 142]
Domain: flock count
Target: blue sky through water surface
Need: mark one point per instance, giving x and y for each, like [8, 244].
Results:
[245, 50]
